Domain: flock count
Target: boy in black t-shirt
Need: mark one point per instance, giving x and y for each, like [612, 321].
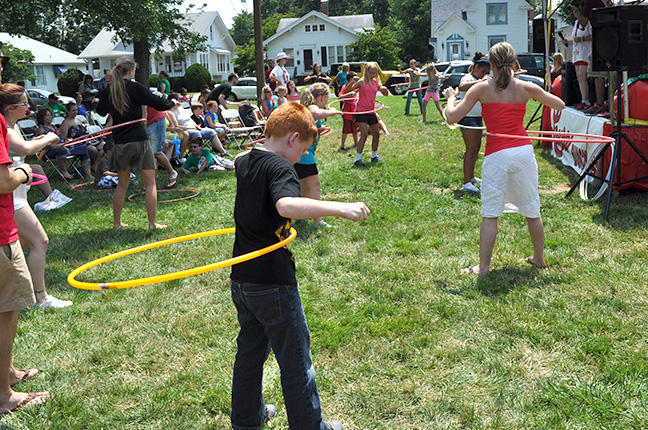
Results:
[264, 289]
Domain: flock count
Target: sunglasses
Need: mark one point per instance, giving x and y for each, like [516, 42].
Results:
[25, 104]
[4, 60]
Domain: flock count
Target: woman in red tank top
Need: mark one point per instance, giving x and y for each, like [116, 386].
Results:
[509, 171]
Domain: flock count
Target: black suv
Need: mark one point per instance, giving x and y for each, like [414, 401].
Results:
[533, 63]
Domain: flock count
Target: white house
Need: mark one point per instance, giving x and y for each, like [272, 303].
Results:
[461, 27]
[49, 62]
[316, 38]
[104, 50]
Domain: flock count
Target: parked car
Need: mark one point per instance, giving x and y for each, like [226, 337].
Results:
[245, 90]
[534, 64]
[387, 77]
[40, 97]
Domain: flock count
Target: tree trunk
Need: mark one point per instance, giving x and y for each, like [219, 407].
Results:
[142, 55]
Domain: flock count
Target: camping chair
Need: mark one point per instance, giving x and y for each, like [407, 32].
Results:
[237, 130]
[97, 119]
[28, 129]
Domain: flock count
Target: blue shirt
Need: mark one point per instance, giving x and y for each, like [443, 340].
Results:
[310, 157]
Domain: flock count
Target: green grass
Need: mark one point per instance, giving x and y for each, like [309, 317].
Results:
[400, 339]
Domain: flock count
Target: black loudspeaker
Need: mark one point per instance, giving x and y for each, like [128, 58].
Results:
[539, 39]
[569, 87]
[620, 38]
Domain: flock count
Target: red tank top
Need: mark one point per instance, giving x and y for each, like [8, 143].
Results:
[504, 118]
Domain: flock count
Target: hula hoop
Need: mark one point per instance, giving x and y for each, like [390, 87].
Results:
[42, 178]
[78, 186]
[169, 276]
[454, 126]
[84, 138]
[189, 197]
[588, 138]
[400, 83]
[382, 106]
[585, 184]
[416, 89]
[251, 144]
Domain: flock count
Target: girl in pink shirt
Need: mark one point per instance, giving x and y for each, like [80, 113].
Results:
[368, 86]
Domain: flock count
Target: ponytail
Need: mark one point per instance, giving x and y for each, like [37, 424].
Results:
[118, 95]
[311, 92]
[503, 57]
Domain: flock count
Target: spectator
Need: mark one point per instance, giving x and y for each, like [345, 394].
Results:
[269, 102]
[279, 74]
[164, 86]
[272, 84]
[79, 101]
[222, 92]
[184, 123]
[316, 76]
[58, 109]
[72, 128]
[87, 91]
[156, 131]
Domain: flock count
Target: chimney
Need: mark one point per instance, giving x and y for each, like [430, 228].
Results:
[325, 9]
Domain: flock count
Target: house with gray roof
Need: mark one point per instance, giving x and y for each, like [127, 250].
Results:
[461, 27]
[316, 38]
[104, 50]
[49, 62]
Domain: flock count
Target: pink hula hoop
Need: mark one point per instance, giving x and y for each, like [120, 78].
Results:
[416, 89]
[588, 138]
[42, 178]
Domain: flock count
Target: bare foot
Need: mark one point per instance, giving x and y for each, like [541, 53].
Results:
[120, 225]
[156, 225]
[472, 270]
[531, 261]
[19, 400]
[18, 376]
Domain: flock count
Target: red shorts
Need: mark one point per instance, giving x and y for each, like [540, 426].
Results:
[349, 126]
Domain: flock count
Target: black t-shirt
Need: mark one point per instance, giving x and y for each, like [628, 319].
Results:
[138, 95]
[199, 121]
[225, 89]
[262, 178]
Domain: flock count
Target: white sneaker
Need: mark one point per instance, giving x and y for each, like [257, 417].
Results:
[60, 197]
[475, 181]
[470, 187]
[45, 205]
[53, 302]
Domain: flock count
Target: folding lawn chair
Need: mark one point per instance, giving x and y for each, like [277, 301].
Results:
[237, 129]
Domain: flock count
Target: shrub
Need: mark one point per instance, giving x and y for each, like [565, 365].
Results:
[177, 83]
[154, 80]
[196, 76]
[69, 82]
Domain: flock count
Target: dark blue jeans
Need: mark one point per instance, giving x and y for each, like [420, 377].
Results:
[409, 100]
[273, 316]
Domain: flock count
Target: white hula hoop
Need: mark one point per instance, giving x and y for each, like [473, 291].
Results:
[585, 183]
[454, 126]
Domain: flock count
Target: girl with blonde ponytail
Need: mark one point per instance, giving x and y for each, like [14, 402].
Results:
[123, 99]
[509, 171]
[314, 97]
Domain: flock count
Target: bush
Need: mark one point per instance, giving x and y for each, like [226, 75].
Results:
[196, 76]
[154, 80]
[69, 82]
[177, 83]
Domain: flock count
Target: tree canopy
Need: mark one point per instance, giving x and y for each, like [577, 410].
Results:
[379, 44]
[18, 68]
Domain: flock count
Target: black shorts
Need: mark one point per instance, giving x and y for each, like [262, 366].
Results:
[368, 118]
[305, 170]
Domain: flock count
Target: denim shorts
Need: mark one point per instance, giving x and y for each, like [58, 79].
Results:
[156, 132]
[471, 121]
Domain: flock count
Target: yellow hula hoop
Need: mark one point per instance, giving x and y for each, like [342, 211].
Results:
[170, 276]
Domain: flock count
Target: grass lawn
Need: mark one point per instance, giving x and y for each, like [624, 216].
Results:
[400, 339]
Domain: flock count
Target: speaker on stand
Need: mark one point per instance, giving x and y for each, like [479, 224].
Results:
[619, 43]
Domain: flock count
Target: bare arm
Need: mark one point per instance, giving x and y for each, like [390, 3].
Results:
[455, 113]
[319, 113]
[544, 97]
[466, 85]
[303, 208]
[29, 147]
[10, 179]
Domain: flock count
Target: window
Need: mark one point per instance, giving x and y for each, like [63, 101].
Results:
[307, 29]
[322, 28]
[40, 76]
[340, 54]
[496, 13]
[204, 60]
[324, 58]
[291, 61]
[492, 40]
[315, 27]
[331, 55]
[222, 63]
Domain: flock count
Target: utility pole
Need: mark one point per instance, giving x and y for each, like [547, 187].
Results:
[258, 50]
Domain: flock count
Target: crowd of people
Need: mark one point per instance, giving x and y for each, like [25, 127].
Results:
[276, 183]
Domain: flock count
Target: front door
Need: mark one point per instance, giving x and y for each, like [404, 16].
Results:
[308, 60]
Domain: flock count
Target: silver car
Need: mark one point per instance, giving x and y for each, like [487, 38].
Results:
[40, 97]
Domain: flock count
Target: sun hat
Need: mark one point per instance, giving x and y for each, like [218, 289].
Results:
[281, 56]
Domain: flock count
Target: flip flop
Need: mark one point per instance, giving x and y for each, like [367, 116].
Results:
[28, 374]
[30, 400]
[173, 180]
[531, 262]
